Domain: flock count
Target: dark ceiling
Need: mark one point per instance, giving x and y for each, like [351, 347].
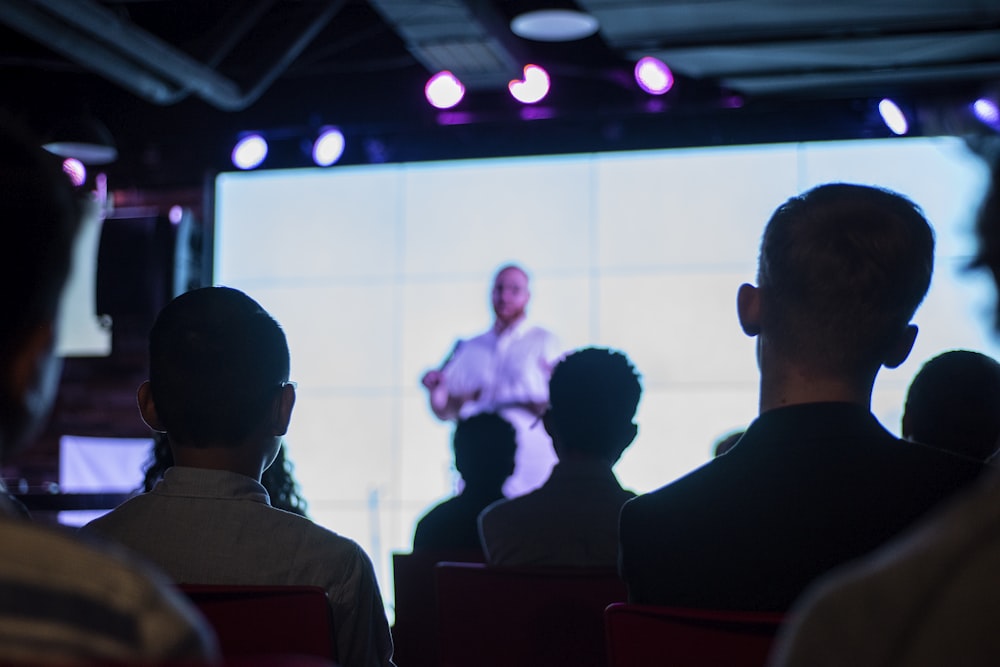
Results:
[176, 80]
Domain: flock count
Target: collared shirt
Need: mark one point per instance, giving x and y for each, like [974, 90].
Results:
[510, 371]
[507, 369]
[572, 520]
[217, 527]
[69, 600]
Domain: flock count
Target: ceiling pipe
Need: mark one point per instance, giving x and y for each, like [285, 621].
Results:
[142, 62]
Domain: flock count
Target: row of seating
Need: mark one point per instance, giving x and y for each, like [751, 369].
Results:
[456, 614]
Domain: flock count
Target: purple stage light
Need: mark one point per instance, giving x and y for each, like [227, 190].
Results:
[653, 75]
[444, 90]
[176, 214]
[532, 88]
[328, 147]
[75, 170]
[893, 117]
[249, 152]
[987, 112]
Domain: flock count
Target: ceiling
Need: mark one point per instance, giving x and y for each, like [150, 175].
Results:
[177, 80]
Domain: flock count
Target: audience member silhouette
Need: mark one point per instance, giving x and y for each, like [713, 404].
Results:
[930, 597]
[504, 370]
[572, 520]
[278, 480]
[815, 481]
[954, 403]
[62, 600]
[484, 447]
[218, 387]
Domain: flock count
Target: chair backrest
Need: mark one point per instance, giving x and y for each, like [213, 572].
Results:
[494, 616]
[415, 630]
[264, 620]
[643, 635]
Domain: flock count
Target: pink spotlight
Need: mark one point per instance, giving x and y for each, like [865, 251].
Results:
[444, 90]
[75, 170]
[249, 152]
[328, 147]
[532, 88]
[986, 111]
[893, 117]
[653, 75]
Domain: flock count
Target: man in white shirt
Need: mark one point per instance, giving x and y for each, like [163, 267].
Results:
[504, 370]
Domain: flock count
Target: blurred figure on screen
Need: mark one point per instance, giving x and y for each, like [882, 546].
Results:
[503, 370]
[954, 403]
[484, 447]
[62, 600]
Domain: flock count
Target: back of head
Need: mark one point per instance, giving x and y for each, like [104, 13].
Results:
[216, 362]
[41, 216]
[954, 403]
[484, 446]
[593, 396]
[842, 270]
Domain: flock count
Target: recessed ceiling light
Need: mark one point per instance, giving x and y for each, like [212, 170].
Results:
[554, 25]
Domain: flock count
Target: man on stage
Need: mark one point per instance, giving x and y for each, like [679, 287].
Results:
[504, 370]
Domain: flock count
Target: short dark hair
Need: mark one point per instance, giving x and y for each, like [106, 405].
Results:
[954, 403]
[216, 362]
[484, 446]
[593, 393]
[843, 268]
[41, 213]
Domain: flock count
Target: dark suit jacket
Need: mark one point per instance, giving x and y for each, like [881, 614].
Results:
[807, 488]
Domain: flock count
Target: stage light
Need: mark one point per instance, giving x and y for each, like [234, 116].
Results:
[328, 147]
[249, 152]
[554, 25]
[533, 87]
[893, 117]
[444, 90]
[84, 138]
[986, 111]
[653, 75]
[75, 170]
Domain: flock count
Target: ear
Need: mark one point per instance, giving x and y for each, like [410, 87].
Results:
[748, 308]
[147, 408]
[283, 410]
[900, 348]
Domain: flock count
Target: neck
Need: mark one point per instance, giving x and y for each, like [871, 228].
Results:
[233, 459]
[789, 384]
[500, 326]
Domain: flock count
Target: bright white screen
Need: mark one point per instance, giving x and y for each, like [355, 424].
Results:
[375, 270]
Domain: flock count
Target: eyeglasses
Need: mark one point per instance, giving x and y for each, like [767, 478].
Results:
[293, 383]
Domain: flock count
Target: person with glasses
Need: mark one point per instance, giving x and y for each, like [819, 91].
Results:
[218, 387]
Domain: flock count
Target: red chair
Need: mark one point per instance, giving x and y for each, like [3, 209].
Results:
[644, 635]
[529, 617]
[415, 630]
[255, 621]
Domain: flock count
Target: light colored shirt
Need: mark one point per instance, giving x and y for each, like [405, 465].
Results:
[218, 527]
[67, 600]
[510, 371]
[572, 520]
